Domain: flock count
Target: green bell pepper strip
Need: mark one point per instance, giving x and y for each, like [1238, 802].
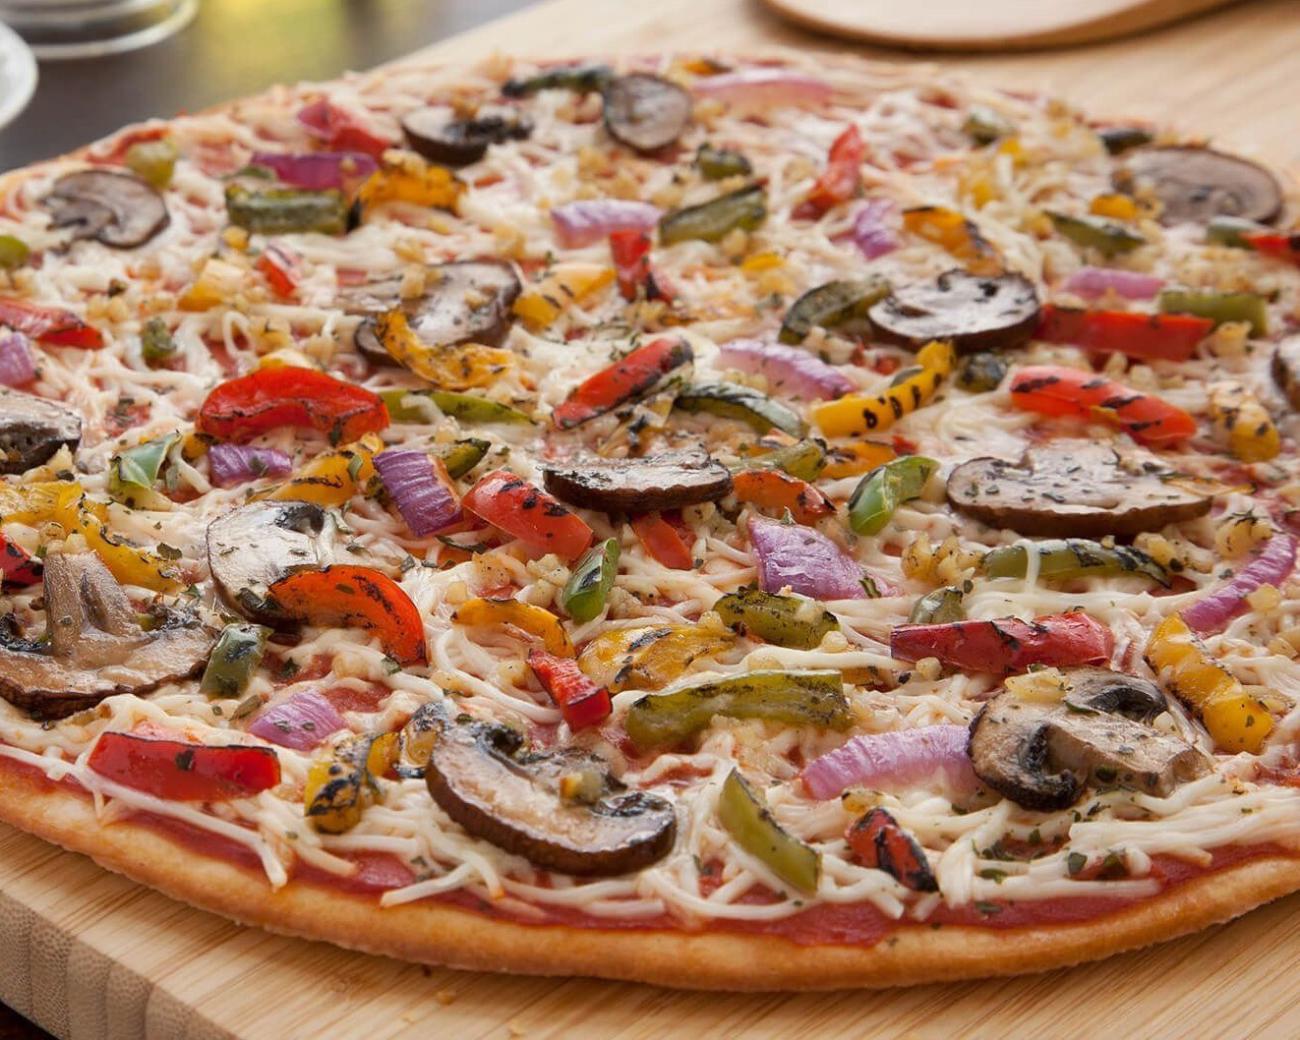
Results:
[940, 607]
[981, 373]
[1232, 231]
[409, 406]
[133, 473]
[1106, 236]
[1121, 138]
[886, 488]
[804, 460]
[985, 125]
[156, 342]
[239, 650]
[152, 161]
[782, 620]
[712, 221]
[13, 252]
[1065, 558]
[463, 456]
[746, 817]
[280, 211]
[584, 594]
[1218, 307]
[715, 164]
[580, 78]
[811, 698]
[831, 305]
[733, 401]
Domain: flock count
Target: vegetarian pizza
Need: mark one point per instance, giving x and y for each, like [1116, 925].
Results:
[738, 523]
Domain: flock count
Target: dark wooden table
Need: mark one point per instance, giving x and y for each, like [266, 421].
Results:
[233, 48]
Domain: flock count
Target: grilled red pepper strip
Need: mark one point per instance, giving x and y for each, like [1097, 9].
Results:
[531, 515]
[242, 408]
[52, 325]
[774, 489]
[581, 701]
[1055, 390]
[841, 179]
[1273, 243]
[1164, 337]
[345, 596]
[878, 841]
[339, 131]
[17, 567]
[625, 380]
[663, 541]
[631, 253]
[281, 267]
[180, 771]
[1008, 645]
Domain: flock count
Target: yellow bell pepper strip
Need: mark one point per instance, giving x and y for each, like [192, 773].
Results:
[1235, 720]
[798, 698]
[856, 458]
[405, 177]
[956, 235]
[331, 479]
[745, 815]
[464, 366]
[526, 617]
[1243, 422]
[858, 414]
[339, 788]
[1117, 207]
[649, 658]
[566, 284]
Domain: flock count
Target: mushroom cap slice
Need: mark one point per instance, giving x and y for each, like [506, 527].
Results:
[1041, 755]
[1286, 369]
[483, 779]
[96, 647]
[464, 301]
[973, 312]
[118, 209]
[1072, 488]
[33, 429]
[646, 112]
[1198, 184]
[254, 546]
[666, 481]
[437, 134]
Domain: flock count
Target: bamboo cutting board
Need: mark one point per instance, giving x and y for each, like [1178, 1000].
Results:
[92, 956]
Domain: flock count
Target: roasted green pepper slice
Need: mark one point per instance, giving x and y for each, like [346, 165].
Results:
[584, 594]
[733, 401]
[886, 488]
[152, 161]
[745, 815]
[792, 621]
[1121, 138]
[279, 211]
[580, 78]
[832, 305]
[463, 455]
[13, 252]
[718, 163]
[133, 473]
[1231, 231]
[981, 373]
[1106, 236]
[798, 698]
[805, 459]
[409, 406]
[234, 660]
[985, 125]
[1219, 307]
[712, 221]
[940, 607]
[156, 342]
[1065, 558]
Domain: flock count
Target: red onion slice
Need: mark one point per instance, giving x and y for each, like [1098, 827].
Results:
[301, 722]
[587, 221]
[1094, 282]
[316, 171]
[890, 760]
[1272, 566]
[425, 502]
[231, 464]
[786, 368]
[17, 365]
[874, 228]
[764, 88]
[808, 562]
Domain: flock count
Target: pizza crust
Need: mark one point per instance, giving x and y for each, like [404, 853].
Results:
[456, 938]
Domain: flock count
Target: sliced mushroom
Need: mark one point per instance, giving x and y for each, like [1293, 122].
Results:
[559, 809]
[972, 312]
[118, 209]
[666, 481]
[95, 647]
[464, 300]
[33, 429]
[252, 547]
[440, 137]
[1042, 754]
[1197, 184]
[645, 112]
[1073, 488]
[1286, 369]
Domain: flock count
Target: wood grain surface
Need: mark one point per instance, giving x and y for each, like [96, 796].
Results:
[91, 956]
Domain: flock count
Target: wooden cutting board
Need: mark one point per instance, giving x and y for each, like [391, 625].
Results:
[91, 956]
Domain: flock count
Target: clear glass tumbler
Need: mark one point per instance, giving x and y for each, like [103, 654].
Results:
[88, 28]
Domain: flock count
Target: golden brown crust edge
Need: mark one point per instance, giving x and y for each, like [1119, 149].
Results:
[458, 938]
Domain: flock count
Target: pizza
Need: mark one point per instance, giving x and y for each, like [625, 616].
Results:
[725, 522]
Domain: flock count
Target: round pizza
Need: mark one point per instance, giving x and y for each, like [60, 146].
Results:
[723, 522]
